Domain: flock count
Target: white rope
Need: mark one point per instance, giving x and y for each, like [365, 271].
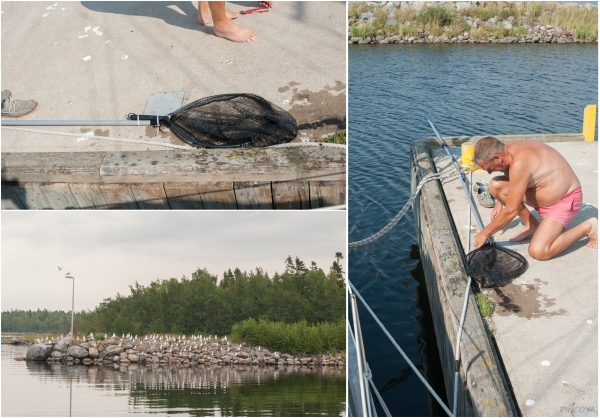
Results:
[106, 138]
[412, 366]
[396, 219]
[308, 144]
[164, 144]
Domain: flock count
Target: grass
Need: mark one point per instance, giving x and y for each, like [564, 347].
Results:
[486, 305]
[338, 138]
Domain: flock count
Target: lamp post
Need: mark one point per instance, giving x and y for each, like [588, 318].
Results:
[68, 276]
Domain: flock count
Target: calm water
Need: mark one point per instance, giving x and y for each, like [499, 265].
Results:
[466, 90]
[39, 389]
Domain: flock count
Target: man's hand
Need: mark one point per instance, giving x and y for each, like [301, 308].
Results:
[481, 239]
[497, 208]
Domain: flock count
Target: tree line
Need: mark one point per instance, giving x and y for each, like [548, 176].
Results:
[40, 321]
[205, 305]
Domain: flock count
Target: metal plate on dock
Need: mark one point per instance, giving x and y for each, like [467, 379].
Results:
[164, 103]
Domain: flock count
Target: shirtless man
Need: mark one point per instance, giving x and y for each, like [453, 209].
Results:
[538, 175]
[214, 11]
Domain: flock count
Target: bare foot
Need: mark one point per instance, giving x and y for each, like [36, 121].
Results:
[235, 33]
[205, 16]
[526, 232]
[267, 4]
[593, 235]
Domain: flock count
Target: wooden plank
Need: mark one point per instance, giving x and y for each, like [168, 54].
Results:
[253, 195]
[234, 164]
[217, 195]
[327, 193]
[118, 196]
[31, 196]
[291, 195]
[88, 195]
[150, 195]
[10, 200]
[183, 195]
[484, 391]
[50, 167]
[59, 195]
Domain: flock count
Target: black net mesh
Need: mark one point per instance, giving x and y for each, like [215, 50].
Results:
[233, 120]
[495, 266]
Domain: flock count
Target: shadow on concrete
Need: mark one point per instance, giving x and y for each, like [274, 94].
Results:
[182, 14]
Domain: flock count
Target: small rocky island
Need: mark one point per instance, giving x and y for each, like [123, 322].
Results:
[168, 350]
[418, 22]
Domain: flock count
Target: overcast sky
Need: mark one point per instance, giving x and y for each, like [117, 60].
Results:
[108, 251]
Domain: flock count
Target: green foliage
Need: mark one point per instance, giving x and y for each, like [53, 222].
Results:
[42, 321]
[338, 138]
[436, 15]
[486, 305]
[205, 305]
[363, 31]
[408, 31]
[292, 338]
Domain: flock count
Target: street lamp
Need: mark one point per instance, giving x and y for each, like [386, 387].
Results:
[68, 276]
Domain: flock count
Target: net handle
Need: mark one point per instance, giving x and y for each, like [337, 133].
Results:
[462, 179]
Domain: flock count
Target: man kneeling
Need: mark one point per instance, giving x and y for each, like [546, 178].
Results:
[536, 174]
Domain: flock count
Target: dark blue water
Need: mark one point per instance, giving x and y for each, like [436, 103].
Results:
[467, 90]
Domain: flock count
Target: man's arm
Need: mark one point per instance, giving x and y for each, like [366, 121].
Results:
[517, 186]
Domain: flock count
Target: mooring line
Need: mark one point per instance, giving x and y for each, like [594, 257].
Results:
[396, 219]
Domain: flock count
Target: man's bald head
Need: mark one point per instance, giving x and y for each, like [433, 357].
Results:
[486, 148]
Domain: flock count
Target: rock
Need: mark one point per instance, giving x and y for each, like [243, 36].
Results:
[133, 358]
[508, 26]
[113, 350]
[87, 361]
[102, 354]
[93, 352]
[566, 33]
[20, 358]
[385, 41]
[561, 41]
[15, 341]
[460, 5]
[61, 345]
[367, 15]
[379, 38]
[77, 352]
[85, 345]
[38, 352]
[355, 39]
[391, 22]
[56, 355]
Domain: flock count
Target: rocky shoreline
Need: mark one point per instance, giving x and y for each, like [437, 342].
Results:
[534, 33]
[168, 350]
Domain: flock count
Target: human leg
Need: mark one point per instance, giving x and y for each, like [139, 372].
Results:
[550, 240]
[499, 189]
[225, 28]
[205, 16]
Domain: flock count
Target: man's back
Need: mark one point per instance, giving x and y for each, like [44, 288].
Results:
[551, 176]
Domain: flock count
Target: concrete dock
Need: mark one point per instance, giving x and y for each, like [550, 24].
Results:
[546, 321]
[104, 60]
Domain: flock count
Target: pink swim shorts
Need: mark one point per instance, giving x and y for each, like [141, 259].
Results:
[565, 209]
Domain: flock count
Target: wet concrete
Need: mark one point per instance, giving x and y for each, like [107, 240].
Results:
[546, 321]
[136, 49]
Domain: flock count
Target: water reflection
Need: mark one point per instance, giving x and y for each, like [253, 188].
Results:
[195, 391]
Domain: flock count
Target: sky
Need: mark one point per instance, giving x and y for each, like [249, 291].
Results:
[109, 250]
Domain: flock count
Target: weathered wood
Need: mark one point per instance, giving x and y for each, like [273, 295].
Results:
[31, 196]
[52, 167]
[59, 196]
[253, 195]
[150, 195]
[236, 164]
[327, 193]
[88, 195]
[217, 195]
[183, 195]
[10, 200]
[118, 196]
[291, 195]
[483, 387]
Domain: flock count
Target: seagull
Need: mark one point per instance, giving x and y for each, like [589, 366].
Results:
[59, 268]
[67, 273]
